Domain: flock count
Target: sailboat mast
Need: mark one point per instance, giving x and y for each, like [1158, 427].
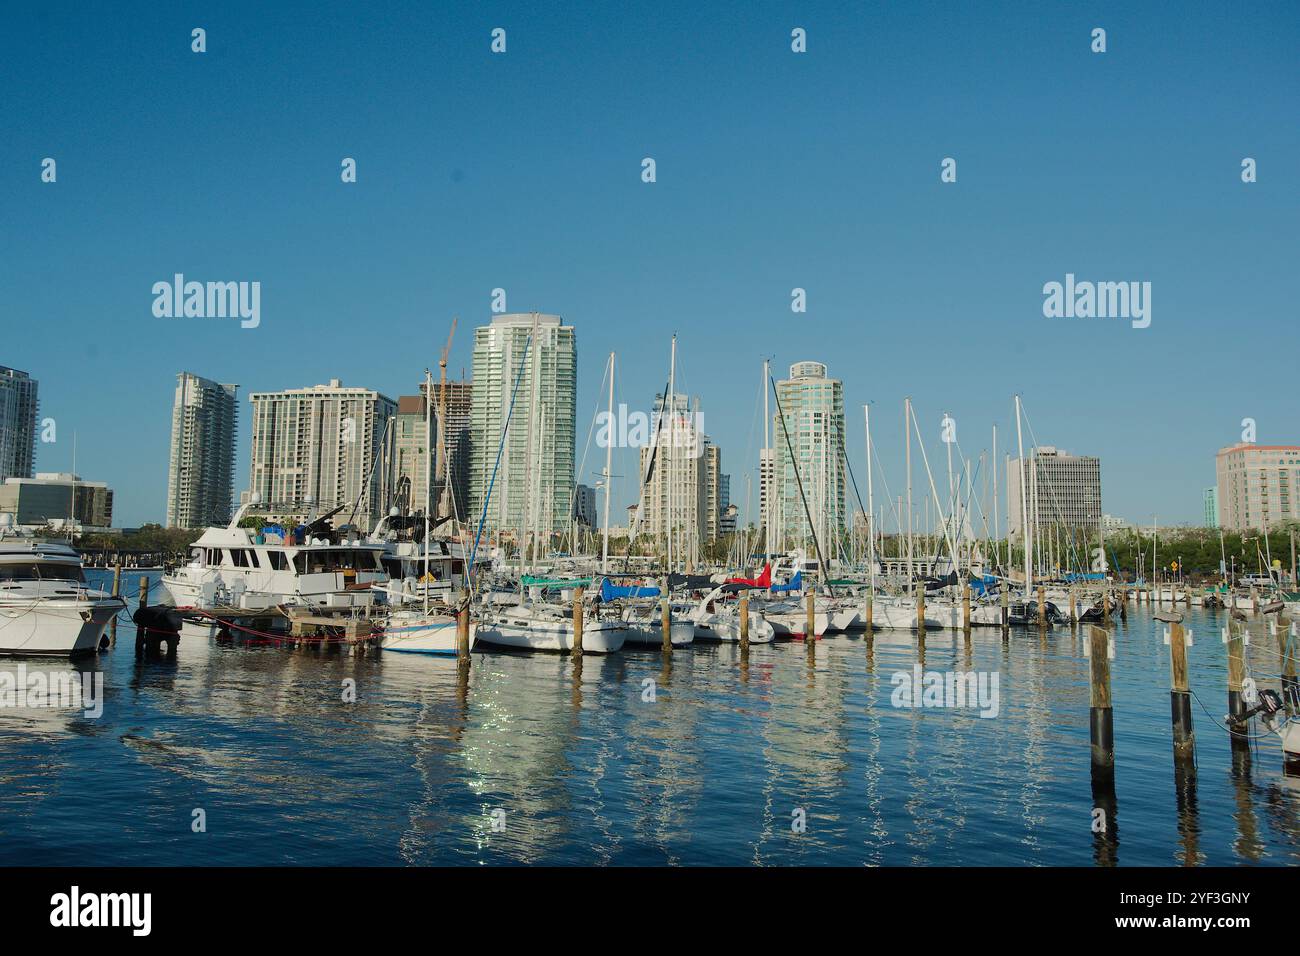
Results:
[871, 505]
[669, 410]
[1026, 533]
[907, 425]
[771, 470]
[428, 479]
[609, 459]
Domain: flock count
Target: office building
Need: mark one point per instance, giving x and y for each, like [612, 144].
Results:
[1062, 491]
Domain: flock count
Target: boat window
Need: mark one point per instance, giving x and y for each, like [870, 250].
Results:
[279, 560]
[300, 563]
[42, 572]
[241, 558]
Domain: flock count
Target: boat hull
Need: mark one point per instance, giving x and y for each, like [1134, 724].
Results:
[421, 634]
[55, 628]
[597, 638]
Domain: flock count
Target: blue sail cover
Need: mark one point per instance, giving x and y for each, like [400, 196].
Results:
[1086, 576]
[794, 584]
[610, 592]
[984, 586]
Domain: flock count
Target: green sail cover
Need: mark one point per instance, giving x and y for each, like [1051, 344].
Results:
[530, 581]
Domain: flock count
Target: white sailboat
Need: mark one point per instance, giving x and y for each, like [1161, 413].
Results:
[428, 629]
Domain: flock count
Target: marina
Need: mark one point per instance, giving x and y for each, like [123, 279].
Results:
[707, 769]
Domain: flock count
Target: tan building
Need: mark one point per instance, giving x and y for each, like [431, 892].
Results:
[315, 448]
[1254, 484]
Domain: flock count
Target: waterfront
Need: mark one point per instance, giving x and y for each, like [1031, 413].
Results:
[589, 772]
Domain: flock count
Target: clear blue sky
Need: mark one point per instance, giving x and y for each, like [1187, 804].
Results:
[775, 170]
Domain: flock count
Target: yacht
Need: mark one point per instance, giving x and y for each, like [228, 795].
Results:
[45, 606]
[718, 620]
[236, 572]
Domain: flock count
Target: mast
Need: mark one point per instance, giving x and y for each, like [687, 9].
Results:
[993, 460]
[907, 425]
[428, 480]
[609, 457]
[1027, 532]
[669, 410]
[771, 470]
[871, 506]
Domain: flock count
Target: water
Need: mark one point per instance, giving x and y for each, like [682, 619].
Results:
[588, 772]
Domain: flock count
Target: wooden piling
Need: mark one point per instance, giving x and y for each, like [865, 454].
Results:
[666, 623]
[1042, 606]
[1180, 696]
[810, 630]
[140, 636]
[744, 622]
[867, 612]
[577, 622]
[1236, 674]
[117, 592]
[1101, 720]
[462, 629]
[1006, 609]
[1254, 600]
[965, 608]
[920, 609]
[1074, 616]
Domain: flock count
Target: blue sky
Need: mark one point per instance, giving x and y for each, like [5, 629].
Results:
[775, 170]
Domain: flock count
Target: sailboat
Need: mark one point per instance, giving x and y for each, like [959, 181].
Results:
[535, 623]
[429, 628]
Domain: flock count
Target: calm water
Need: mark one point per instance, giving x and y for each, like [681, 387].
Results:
[587, 772]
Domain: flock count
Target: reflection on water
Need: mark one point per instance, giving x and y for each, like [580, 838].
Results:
[706, 757]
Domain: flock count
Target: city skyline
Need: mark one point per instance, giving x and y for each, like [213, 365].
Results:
[795, 172]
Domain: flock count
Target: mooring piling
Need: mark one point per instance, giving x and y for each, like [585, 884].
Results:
[1236, 675]
[744, 623]
[577, 621]
[1101, 720]
[1180, 696]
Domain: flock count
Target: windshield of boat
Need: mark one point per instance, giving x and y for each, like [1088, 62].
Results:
[42, 571]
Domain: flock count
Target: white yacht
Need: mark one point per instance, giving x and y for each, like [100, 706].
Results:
[45, 606]
[238, 572]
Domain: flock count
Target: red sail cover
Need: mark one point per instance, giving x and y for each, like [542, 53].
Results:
[764, 580]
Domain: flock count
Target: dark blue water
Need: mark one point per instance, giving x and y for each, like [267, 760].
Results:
[523, 760]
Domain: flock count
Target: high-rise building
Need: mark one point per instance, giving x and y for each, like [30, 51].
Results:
[1063, 491]
[48, 499]
[201, 467]
[766, 468]
[714, 494]
[458, 399]
[1254, 485]
[813, 409]
[1211, 501]
[676, 498]
[584, 506]
[411, 459]
[726, 513]
[18, 410]
[316, 448]
[532, 486]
